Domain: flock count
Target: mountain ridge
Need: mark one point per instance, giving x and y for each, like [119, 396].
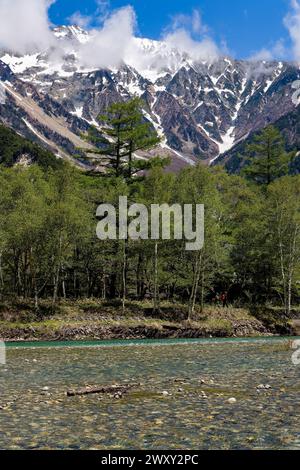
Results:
[200, 109]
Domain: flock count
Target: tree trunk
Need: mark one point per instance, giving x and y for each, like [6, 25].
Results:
[156, 291]
[104, 287]
[113, 389]
[202, 291]
[55, 289]
[36, 298]
[124, 269]
[193, 297]
[1, 276]
[64, 289]
[139, 276]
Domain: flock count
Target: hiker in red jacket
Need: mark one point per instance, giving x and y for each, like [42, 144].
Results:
[224, 299]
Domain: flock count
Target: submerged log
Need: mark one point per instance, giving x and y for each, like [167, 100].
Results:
[112, 389]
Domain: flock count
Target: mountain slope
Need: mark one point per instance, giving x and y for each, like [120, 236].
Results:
[38, 117]
[289, 126]
[14, 149]
[201, 110]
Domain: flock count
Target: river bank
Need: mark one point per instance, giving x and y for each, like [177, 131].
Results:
[96, 320]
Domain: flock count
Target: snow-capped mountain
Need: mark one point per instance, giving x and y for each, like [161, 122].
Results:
[199, 109]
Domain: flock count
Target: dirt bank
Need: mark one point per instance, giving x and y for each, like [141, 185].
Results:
[98, 332]
[100, 321]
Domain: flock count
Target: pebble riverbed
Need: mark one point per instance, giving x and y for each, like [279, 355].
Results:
[199, 395]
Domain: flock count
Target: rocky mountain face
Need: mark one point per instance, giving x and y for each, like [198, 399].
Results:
[201, 110]
[289, 126]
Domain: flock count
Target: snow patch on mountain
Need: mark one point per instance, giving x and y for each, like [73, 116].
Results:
[72, 32]
[228, 140]
[20, 64]
[78, 111]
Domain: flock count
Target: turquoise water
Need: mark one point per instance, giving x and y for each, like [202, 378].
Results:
[141, 342]
[198, 375]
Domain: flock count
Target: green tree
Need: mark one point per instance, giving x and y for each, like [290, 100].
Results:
[158, 189]
[68, 217]
[267, 158]
[13, 147]
[124, 133]
[284, 220]
[23, 196]
[198, 186]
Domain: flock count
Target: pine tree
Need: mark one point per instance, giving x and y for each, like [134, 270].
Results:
[268, 159]
[124, 133]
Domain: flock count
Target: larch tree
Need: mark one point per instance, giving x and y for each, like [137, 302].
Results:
[267, 157]
[124, 132]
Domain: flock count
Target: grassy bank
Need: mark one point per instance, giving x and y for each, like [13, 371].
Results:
[94, 319]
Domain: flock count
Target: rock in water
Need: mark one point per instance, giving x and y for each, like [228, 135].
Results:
[232, 400]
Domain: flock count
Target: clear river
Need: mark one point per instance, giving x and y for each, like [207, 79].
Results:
[204, 394]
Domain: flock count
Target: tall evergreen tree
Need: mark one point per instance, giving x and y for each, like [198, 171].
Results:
[268, 159]
[124, 133]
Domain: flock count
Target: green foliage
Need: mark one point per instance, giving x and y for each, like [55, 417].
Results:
[13, 146]
[268, 158]
[284, 225]
[124, 133]
[49, 248]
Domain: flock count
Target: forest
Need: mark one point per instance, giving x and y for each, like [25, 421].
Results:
[48, 243]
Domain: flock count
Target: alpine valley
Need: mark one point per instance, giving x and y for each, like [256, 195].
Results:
[202, 110]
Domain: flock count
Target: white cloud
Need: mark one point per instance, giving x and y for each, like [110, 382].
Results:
[279, 50]
[81, 20]
[24, 25]
[292, 22]
[204, 49]
[98, 17]
[114, 41]
[188, 34]
[197, 22]
[276, 52]
[185, 38]
[109, 42]
[263, 54]
[102, 8]
[25, 28]
[259, 67]
[191, 22]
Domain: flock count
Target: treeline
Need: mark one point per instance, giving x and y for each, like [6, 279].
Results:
[49, 248]
[13, 147]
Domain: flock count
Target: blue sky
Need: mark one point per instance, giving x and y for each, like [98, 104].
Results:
[246, 26]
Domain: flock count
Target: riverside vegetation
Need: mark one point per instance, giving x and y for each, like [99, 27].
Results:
[52, 264]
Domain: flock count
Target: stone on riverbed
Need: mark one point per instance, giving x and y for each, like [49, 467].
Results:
[232, 400]
[263, 387]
